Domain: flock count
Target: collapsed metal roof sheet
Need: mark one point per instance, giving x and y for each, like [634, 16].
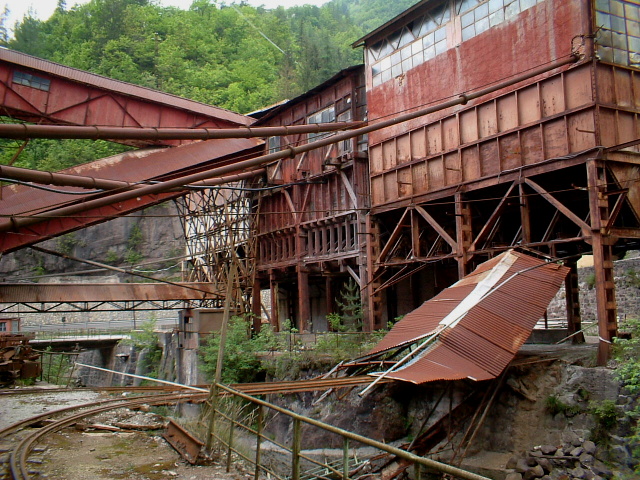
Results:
[474, 328]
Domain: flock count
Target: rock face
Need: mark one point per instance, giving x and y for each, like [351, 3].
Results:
[153, 234]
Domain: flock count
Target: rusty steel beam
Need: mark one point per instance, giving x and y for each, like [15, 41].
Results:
[25, 131]
[14, 222]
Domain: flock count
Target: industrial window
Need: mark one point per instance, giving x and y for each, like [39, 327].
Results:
[28, 80]
[3, 326]
[327, 115]
[618, 31]
[273, 144]
[345, 145]
[426, 37]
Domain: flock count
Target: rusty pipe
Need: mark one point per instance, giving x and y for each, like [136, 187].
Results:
[68, 180]
[24, 131]
[11, 223]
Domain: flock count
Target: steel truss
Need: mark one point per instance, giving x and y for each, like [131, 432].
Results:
[218, 226]
[74, 307]
[560, 211]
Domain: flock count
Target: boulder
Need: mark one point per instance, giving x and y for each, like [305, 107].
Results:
[513, 476]
[548, 449]
[546, 465]
[578, 472]
[589, 447]
[533, 472]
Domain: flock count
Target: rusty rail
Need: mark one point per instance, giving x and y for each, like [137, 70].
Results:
[295, 449]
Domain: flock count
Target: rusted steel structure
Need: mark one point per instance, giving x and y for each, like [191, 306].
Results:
[40, 91]
[549, 164]
[53, 95]
[310, 231]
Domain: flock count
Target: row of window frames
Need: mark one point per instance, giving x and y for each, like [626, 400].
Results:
[432, 45]
[618, 40]
[617, 56]
[618, 24]
[618, 7]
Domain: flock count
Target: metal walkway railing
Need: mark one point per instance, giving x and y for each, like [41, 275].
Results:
[232, 413]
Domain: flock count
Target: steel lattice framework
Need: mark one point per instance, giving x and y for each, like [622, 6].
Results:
[218, 227]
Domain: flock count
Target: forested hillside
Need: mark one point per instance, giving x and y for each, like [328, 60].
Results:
[233, 56]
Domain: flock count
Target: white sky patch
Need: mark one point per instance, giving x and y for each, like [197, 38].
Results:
[43, 9]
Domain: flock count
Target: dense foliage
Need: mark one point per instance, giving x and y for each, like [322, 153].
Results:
[627, 355]
[233, 55]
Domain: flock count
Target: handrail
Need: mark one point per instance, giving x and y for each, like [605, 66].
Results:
[345, 434]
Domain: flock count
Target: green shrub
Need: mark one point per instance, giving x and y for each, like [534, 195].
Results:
[626, 352]
[555, 405]
[240, 361]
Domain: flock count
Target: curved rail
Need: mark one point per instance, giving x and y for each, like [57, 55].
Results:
[18, 456]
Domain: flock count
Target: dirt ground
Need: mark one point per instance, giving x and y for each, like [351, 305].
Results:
[73, 455]
[80, 453]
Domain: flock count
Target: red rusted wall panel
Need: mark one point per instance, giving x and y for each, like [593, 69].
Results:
[81, 98]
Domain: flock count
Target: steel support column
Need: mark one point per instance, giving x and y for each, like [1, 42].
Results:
[572, 292]
[464, 234]
[602, 258]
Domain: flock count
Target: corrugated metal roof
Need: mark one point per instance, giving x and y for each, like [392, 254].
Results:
[124, 88]
[104, 292]
[479, 323]
[135, 166]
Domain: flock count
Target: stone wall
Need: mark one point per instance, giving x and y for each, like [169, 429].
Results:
[627, 280]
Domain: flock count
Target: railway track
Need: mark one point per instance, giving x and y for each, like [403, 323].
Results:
[19, 442]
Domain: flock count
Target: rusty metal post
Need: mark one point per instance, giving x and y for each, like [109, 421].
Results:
[464, 234]
[345, 459]
[230, 444]
[602, 259]
[572, 292]
[295, 450]
[259, 428]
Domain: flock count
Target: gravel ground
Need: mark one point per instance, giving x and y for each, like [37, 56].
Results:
[78, 452]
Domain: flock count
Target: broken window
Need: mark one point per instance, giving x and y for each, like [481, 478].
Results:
[618, 31]
[28, 80]
[273, 144]
[426, 37]
[327, 115]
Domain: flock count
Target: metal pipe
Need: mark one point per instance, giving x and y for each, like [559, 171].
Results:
[24, 131]
[80, 181]
[14, 223]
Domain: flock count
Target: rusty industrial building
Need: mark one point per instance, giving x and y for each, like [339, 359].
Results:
[473, 127]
